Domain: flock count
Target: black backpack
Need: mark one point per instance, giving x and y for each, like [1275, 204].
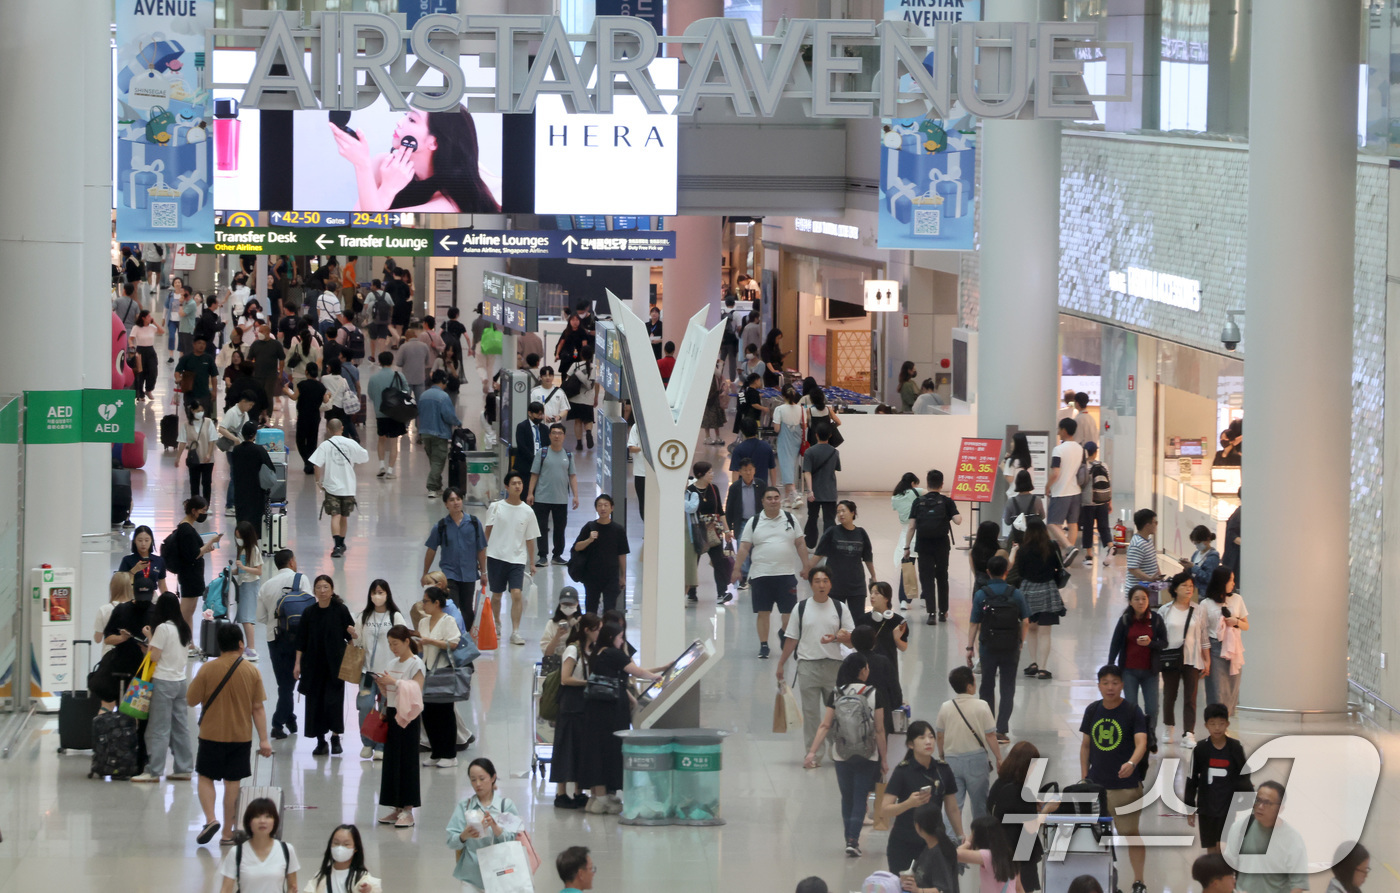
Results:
[931, 517]
[1001, 619]
[355, 343]
[573, 386]
[383, 309]
[170, 552]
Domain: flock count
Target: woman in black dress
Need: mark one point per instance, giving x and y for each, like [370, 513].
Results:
[772, 354]
[600, 763]
[1006, 798]
[325, 628]
[569, 742]
[310, 396]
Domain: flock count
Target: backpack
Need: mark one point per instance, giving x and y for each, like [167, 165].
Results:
[792, 525]
[170, 553]
[1001, 619]
[1100, 484]
[216, 593]
[357, 303]
[1081, 474]
[355, 343]
[573, 386]
[854, 730]
[881, 882]
[491, 341]
[383, 309]
[549, 696]
[290, 606]
[931, 518]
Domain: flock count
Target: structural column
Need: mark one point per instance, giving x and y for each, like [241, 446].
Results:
[57, 220]
[1298, 303]
[1018, 318]
[690, 280]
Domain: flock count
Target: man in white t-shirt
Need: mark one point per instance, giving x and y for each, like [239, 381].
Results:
[821, 626]
[511, 529]
[1086, 427]
[335, 459]
[550, 395]
[771, 539]
[1063, 490]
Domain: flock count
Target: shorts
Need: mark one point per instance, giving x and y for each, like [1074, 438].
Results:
[1045, 618]
[1212, 827]
[502, 575]
[224, 760]
[338, 505]
[1125, 823]
[378, 330]
[387, 427]
[1064, 509]
[766, 592]
[580, 412]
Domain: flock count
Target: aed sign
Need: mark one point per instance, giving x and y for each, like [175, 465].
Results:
[79, 416]
[620, 163]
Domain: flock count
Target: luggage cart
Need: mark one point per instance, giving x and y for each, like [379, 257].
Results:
[1079, 844]
[541, 732]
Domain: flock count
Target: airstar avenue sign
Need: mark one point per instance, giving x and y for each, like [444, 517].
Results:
[805, 60]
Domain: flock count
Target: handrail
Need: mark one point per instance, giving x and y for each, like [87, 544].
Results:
[18, 721]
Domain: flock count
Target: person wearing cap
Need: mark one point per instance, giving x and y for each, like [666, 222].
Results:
[556, 631]
[1091, 513]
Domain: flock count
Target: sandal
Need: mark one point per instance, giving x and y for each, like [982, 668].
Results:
[1044, 674]
[1031, 670]
[227, 841]
[391, 817]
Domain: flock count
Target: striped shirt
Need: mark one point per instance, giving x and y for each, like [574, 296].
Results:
[1142, 556]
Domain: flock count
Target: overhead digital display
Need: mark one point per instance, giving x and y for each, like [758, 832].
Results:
[621, 163]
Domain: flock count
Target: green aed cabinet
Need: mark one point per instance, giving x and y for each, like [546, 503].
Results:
[671, 776]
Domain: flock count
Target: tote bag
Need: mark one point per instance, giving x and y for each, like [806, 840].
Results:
[352, 664]
[136, 702]
[505, 868]
[447, 684]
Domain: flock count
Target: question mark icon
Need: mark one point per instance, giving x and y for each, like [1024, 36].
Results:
[672, 454]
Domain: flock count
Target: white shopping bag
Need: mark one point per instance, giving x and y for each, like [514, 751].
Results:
[505, 868]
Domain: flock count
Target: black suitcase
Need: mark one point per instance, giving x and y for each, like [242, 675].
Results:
[170, 431]
[76, 710]
[121, 496]
[114, 744]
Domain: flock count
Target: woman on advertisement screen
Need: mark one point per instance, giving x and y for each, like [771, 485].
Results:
[432, 165]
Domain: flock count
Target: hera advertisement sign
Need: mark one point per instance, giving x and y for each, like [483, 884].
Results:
[926, 164]
[164, 121]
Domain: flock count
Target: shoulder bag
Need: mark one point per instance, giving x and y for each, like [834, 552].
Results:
[605, 689]
[447, 684]
[1171, 660]
[991, 761]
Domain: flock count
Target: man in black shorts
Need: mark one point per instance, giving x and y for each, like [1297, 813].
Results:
[229, 693]
[771, 539]
[389, 430]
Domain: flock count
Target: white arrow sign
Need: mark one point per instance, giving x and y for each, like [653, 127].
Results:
[447, 243]
[322, 241]
[569, 243]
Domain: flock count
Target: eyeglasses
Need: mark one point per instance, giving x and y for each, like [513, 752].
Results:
[1260, 801]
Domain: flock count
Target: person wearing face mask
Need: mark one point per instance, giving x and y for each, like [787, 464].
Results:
[372, 634]
[343, 866]
[268, 357]
[556, 631]
[191, 549]
[198, 436]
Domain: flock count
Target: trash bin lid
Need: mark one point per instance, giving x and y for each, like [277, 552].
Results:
[646, 737]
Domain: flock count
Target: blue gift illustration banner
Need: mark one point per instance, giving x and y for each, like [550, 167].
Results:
[927, 164]
[165, 148]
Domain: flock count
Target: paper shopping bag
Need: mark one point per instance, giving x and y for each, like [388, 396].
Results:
[505, 868]
[791, 707]
[881, 823]
[352, 664]
[779, 713]
[909, 571]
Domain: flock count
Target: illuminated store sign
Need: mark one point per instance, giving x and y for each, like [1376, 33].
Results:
[1160, 287]
[809, 59]
[825, 228]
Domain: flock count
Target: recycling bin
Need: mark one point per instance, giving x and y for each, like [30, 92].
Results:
[647, 761]
[695, 778]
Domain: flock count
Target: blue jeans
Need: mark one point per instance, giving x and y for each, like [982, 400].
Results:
[168, 729]
[283, 652]
[364, 702]
[999, 667]
[856, 778]
[974, 780]
[1144, 681]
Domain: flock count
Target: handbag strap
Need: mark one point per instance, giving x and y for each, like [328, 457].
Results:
[227, 676]
[981, 742]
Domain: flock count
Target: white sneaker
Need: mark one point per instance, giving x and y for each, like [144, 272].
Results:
[379, 755]
[596, 806]
[145, 778]
[447, 764]
[517, 639]
[250, 655]
[612, 805]
[366, 752]
[430, 762]
[1107, 556]
[389, 473]
[432, 494]
[230, 512]
[1171, 735]
[1188, 740]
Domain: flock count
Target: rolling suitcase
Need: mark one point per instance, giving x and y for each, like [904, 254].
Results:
[114, 740]
[121, 496]
[76, 710]
[170, 431]
[278, 493]
[254, 791]
[273, 535]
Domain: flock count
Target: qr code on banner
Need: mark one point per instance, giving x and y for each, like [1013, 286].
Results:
[926, 222]
[165, 215]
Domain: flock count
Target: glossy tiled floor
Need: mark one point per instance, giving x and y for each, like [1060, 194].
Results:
[63, 831]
